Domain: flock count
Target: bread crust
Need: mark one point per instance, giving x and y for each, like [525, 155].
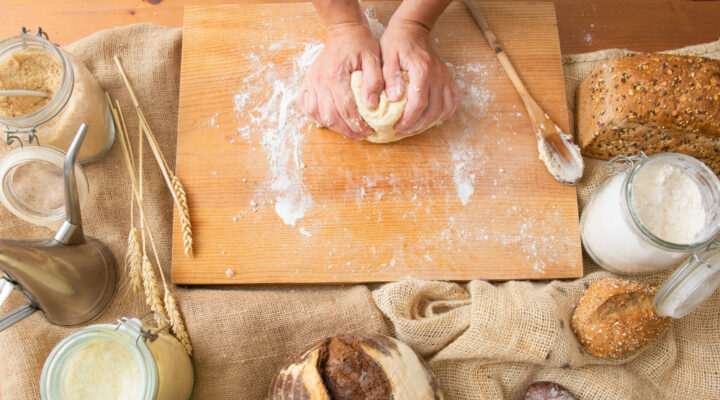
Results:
[651, 102]
[616, 317]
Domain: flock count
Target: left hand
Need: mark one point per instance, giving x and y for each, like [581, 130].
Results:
[432, 93]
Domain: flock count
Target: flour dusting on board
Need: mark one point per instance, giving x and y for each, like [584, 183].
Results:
[474, 99]
[283, 127]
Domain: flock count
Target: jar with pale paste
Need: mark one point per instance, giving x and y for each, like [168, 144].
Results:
[73, 97]
[121, 362]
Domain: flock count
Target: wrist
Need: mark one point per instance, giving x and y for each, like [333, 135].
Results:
[349, 28]
[409, 27]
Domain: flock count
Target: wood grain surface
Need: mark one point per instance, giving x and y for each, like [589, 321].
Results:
[584, 25]
[467, 200]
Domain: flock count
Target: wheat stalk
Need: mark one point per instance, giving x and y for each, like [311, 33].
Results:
[152, 293]
[176, 322]
[173, 183]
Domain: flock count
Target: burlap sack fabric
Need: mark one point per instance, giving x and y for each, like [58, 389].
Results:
[482, 340]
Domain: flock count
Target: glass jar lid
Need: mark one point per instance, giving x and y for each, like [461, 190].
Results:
[101, 361]
[32, 184]
[691, 284]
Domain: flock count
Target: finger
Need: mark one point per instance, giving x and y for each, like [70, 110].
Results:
[418, 92]
[332, 120]
[307, 101]
[450, 103]
[347, 108]
[394, 84]
[432, 112]
[372, 81]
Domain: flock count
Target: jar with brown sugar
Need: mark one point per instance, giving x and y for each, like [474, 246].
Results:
[72, 96]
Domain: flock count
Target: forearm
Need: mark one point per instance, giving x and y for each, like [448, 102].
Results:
[423, 13]
[339, 12]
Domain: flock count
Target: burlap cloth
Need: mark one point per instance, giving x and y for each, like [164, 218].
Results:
[484, 341]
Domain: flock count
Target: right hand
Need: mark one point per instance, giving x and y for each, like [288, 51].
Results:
[325, 95]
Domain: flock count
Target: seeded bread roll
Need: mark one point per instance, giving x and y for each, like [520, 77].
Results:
[350, 367]
[616, 317]
[547, 391]
[651, 102]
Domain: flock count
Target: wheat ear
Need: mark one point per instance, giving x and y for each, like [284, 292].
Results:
[173, 183]
[152, 293]
[184, 213]
[133, 259]
[176, 322]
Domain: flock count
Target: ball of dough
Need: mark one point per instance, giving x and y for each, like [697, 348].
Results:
[385, 116]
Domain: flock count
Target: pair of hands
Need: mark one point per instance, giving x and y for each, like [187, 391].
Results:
[325, 95]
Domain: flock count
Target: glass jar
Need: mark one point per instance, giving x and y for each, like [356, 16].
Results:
[123, 361]
[27, 62]
[615, 236]
[32, 184]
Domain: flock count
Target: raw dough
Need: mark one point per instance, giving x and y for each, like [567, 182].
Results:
[385, 116]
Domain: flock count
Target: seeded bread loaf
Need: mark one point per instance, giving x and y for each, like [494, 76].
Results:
[651, 102]
[616, 317]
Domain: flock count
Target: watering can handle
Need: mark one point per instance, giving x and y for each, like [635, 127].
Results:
[70, 231]
[17, 314]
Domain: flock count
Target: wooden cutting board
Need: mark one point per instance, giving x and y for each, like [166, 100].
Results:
[275, 199]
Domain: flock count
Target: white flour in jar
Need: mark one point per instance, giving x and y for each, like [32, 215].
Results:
[669, 203]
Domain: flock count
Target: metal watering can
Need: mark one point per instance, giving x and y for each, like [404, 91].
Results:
[70, 278]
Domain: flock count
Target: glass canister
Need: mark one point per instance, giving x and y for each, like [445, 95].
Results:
[32, 184]
[652, 213]
[73, 97]
[123, 361]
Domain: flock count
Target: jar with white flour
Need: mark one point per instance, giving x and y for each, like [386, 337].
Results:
[123, 361]
[653, 213]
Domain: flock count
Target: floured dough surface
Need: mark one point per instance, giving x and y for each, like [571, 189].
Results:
[385, 116]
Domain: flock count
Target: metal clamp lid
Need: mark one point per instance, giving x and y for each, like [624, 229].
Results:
[135, 327]
[623, 163]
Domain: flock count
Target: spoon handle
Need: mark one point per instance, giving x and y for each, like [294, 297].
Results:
[23, 93]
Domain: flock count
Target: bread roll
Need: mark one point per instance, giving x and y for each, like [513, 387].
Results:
[616, 317]
[356, 367]
[651, 102]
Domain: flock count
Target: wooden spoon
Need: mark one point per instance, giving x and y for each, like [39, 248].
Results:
[561, 157]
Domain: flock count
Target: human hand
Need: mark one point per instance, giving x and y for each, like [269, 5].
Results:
[325, 95]
[432, 94]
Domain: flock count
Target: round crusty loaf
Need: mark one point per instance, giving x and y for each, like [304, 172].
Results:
[355, 367]
[547, 391]
[616, 317]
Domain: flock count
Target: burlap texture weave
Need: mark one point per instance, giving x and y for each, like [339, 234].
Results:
[483, 341]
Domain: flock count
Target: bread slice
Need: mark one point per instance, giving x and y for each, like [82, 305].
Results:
[656, 103]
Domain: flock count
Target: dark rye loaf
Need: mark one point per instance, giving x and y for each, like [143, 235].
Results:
[651, 102]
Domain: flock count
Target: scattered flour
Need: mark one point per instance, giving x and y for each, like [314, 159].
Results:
[283, 128]
[474, 99]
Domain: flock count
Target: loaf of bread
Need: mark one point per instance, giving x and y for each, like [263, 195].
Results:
[616, 317]
[547, 391]
[356, 367]
[656, 103]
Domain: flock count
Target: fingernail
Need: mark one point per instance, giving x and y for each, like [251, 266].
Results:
[372, 100]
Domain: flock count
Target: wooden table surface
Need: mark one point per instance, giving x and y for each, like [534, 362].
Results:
[643, 25]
